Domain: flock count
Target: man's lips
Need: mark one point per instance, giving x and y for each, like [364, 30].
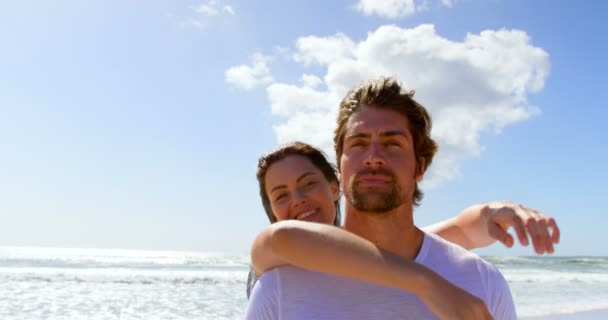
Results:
[373, 180]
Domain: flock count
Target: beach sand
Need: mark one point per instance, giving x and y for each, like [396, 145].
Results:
[588, 315]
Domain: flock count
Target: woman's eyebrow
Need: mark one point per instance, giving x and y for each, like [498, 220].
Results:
[278, 187]
[304, 175]
[281, 186]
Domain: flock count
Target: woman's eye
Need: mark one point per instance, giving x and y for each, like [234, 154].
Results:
[280, 196]
[310, 184]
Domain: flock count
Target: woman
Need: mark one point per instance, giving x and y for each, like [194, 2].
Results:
[299, 176]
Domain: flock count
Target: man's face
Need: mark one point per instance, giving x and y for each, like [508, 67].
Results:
[378, 165]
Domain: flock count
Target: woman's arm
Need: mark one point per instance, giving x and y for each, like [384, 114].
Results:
[329, 249]
[481, 225]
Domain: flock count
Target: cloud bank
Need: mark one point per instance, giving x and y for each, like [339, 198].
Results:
[478, 84]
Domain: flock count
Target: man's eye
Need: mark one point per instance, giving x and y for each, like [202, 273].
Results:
[280, 196]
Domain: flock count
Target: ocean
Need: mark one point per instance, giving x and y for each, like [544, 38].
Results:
[49, 283]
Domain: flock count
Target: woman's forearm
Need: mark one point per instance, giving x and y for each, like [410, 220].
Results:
[329, 249]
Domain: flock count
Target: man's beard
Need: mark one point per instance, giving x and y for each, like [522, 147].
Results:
[374, 201]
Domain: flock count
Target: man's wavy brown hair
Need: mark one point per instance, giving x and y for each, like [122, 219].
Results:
[386, 93]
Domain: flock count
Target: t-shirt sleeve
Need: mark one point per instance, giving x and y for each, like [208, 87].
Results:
[264, 300]
[251, 280]
[501, 301]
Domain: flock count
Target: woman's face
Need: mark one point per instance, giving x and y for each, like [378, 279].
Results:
[297, 189]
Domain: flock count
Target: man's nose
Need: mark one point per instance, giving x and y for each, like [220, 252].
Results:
[375, 158]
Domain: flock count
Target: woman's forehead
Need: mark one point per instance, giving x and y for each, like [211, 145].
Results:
[289, 171]
[293, 164]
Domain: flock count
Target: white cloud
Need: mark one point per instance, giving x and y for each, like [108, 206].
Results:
[213, 8]
[394, 9]
[472, 86]
[286, 99]
[248, 77]
[193, 23]
[207, 9]
[205, 12]
[387, 8]
[448, 3]
[310, 80]
[228, 9]
[323, 50]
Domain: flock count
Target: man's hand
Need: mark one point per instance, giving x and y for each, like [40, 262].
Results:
[502, 215]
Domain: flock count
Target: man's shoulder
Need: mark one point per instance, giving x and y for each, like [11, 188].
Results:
[470, 272]
[460, 265]
[442, 251]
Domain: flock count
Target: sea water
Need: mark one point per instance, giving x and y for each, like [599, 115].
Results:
[544, 286]
[45, 283]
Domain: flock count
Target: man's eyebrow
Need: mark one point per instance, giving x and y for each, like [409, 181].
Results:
[385, 134]
[358, 135]
[281, 186]
[392, 133]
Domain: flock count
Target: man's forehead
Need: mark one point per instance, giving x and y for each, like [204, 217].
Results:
[371, 119]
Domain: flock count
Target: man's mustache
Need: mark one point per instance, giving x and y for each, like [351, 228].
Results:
[377, 172]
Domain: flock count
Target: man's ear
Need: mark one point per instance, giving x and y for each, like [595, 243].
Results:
[420, 169]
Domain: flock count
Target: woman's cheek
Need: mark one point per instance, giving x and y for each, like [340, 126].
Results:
[280, 212]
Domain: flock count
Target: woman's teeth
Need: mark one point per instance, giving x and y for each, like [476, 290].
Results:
[306, 214]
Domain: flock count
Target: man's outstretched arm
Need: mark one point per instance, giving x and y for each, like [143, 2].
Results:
[481, 225]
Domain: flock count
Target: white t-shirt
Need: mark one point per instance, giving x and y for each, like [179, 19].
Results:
[293, 293]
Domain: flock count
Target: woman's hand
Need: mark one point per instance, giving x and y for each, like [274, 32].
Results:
[448, 301]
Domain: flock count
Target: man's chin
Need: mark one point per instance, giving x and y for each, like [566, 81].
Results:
[374, 205]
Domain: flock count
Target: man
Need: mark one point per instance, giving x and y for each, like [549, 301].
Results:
[383, 147]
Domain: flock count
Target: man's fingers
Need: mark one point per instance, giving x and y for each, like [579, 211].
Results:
[544, 232]
[548, 230]
[535, 234]
[508, 242]
[520, 230]
[501, 235]
[531, 226]
[555, 235]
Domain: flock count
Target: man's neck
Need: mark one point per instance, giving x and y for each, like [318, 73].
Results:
[393, 231]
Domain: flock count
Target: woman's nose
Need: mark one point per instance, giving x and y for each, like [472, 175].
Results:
[298, 198]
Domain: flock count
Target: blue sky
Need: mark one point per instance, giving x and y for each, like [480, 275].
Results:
[138, 124]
